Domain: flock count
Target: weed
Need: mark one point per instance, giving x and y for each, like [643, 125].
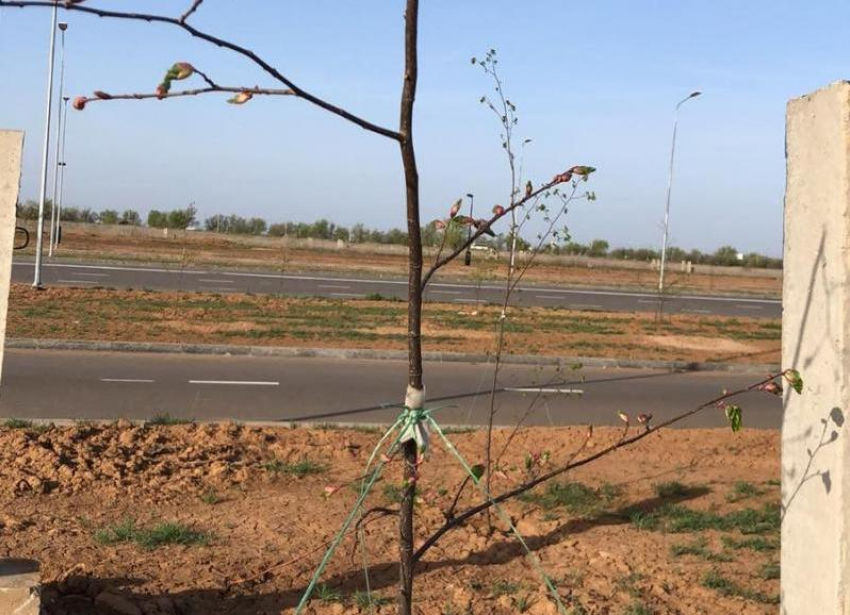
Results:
[700, 548]
[18, 424]
[168, 419]
[637, 608]
[577, 498]
[393, 493]
[521, 603]
[672, 490]
[773, 482]
[504, 588]
[298, 469]
[679, 519]
[364, 600]
[754, 543]
[209, 497]
[327, 594]
[743, 490]
[725, 587]
[629, 583]
[769, 571]
[161, 534]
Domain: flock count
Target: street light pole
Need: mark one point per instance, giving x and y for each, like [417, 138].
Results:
[53, 213]
[669, 190]
[46, 154]
[467, 258]
[63, 164]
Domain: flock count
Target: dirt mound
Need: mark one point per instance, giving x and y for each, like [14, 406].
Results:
[131, 458]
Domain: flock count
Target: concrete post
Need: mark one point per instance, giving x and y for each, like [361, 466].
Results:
[19, 587]
[11, 148]
[816, 342]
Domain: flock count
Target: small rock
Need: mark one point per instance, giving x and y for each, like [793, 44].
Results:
[112, 604]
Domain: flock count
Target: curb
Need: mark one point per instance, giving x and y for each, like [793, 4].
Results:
[380, 355]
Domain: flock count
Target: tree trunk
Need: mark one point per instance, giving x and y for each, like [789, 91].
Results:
[414, 298]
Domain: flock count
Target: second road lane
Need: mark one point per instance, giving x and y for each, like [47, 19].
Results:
[221, 281]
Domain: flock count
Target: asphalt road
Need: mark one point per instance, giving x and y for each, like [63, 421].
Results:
[99, 385]
[214, 280]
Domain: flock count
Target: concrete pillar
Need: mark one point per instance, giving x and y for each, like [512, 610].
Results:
[11, 148]
[816, 342]
[19, 587]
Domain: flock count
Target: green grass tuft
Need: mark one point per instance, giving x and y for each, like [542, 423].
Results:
[158, 535]
[298, 469]
[18, 424]
[770, 571]
[743, 490]
[577, 498]
[675, 518]
[726, 587]
[167, 419]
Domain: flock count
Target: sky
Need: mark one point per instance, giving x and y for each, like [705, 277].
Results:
[595, 83]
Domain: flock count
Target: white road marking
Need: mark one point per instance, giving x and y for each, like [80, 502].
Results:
[77, 282]
[696, 311]
[584, 306]
[255, 383]
[555, 297]
[358, 295]
[545, 390]
[749, 307]
[93, 275]
[217, 281]
[126, 380]
[447, 292]
[333, 286]
[648, 301]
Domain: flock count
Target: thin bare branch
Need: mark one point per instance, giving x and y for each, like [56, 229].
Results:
[483, 228]
[461, 518]
[219, 42]
[254, 91]
[195, 5]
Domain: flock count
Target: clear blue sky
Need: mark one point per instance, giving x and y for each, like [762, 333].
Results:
[595, 83]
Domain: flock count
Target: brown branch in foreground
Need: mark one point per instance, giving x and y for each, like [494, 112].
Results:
[195, 5]
[461, 518]
[254, 91]
[219, 42]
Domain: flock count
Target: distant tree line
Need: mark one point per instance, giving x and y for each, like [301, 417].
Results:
[359, 233]
[28, 210]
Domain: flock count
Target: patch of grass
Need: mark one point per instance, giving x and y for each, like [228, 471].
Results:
[380, 297]
[298, 469]
[168, 419]
[675, 518]
[363, 600]
[628, 583]
[638, 608]
[158, 535]
[754, 543]
[699, 548]
[393, 493]
[671, 490]
[327, 594]
[726, 587]
[504, 588]
[770, 571]
[521, 603]
[742, 490]
[209, 497]
[18, 424]
[577, 498]
[773, 482]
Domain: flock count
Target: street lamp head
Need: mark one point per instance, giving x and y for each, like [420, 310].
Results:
[695, 94]
[63, 25]
[470, 195]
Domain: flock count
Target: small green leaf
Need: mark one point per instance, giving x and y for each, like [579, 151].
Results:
[734, 414]
[794, 379]
[477, 471]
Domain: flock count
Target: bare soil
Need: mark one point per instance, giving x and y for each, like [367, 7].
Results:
[192, 249]
[120, 315]
[268, 530]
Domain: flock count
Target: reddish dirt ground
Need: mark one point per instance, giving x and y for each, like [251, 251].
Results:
[267, 530]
